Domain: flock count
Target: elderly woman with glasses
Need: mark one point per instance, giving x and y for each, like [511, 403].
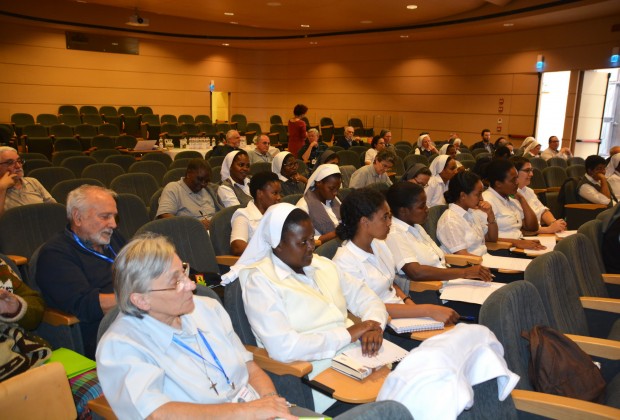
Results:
[285, 166]
[16, 189]
[170, 353]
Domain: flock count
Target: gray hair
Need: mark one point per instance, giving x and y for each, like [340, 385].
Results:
[78, 198]
[229, 133]
[313, 130]
[260, 136]
[140, 262]
[7, 149]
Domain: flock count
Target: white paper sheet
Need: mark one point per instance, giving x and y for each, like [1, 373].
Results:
[548, 241]
[471, 291]
[491, 261]
[565, 234]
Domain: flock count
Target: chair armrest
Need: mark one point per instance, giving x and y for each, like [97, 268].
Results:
[494, 246]
[601, 304]
[611, 278]
[101, 406]
[585, 206]
[425, 335]
[539, 190]
[228, 260]
[18, 259]
[554, 406]
[57, 318]
[326, 126]
[455, 259]
[262, 359]
[600, 347]
[422, 286]
[553, 189]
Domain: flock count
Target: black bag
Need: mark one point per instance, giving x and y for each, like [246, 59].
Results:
[558, 366]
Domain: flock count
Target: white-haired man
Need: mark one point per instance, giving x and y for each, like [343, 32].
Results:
[16, 189]
[74, 268]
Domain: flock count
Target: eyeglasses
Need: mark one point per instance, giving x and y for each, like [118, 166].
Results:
[527, 170]
[291, 164]
[12, 162]
[180, 279]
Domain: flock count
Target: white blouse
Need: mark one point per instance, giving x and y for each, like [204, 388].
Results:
[376, 269]
[532, 199]
[412, 244]
[434, 191]
[244, 222]
[458, 229]
[508, 213]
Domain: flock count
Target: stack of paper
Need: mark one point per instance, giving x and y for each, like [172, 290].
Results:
[471, 291]
[507, 263]
[565, 234]
[354, 364]
[405, 325]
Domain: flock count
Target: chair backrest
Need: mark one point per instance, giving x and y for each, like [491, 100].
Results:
[538, 163]
[153, 167]
[142, 185]
[58, 157]
[216, 176]
[42, 392]
[233, 302]
[35, 130]
[188, 154]
[329, 248]
[47, 119]
[292, 198]
[220, 230]
[557, 161]
[551, 275]
[173, 175]
[126, 141]
[241, 121]
[144, 110]
[124, 161]
[593, 230]
[32, 155]
[22, 119]
[48, 177]
[578, 251]
[576, 161]
[168, 119]
[127, 111]
[190, 129]
[151, 119]
[347, 157]
[215, 161]
[110, 130]
[477, 151]
[33, 224]
[67, 143]
[103, 172]
[63, 188]
[68, 109]
[554, 176]
[85, 130]
[257, 167]
[132, 214]
[576, 171]
[31, 164]
[190, 239]
[464, 156]
[101, 154]
[347, 171]
[508, 311]
[411, 160]
[132, 125]
[538, 179]
[89, 109]
[342, 194]
[154, 204]
[185, 119]
[180, 163]
[275, 119]
[110, 111]
[201, 118]
[77, 163]
[70, 119]
[92, 119]
[430, 226]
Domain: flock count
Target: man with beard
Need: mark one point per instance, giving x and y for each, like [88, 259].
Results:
[74, 268]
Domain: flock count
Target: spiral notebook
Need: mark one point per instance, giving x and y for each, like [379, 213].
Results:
[354, 364]
[406, 325]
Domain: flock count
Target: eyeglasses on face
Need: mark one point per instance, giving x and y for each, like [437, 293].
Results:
[12, 162]
[180, 278]
[291, 164]
[527, 170]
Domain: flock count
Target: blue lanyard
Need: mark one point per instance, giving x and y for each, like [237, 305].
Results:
[217, 361]
[92, 251]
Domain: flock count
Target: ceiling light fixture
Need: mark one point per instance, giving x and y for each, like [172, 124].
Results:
[274, 3]
[404, 36]
[365, 22]
[412, 6]
[305, 26]
[313, 43]
[225, 44]
[229, 13]
[234, 23]
[137, 20]
[509, 24]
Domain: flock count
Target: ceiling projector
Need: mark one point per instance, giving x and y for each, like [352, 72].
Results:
[137, 20]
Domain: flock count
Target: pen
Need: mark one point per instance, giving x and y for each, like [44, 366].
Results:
[467, 318]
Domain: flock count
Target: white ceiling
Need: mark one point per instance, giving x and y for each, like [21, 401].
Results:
[261, 24]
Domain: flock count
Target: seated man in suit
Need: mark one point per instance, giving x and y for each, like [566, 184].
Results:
[233, 139]
[593, 186]
[191, 195]
[348, 139]
[74, 268]
[485, 142]
[16, 189]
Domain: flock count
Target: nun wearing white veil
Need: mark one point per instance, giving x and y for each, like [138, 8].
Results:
[235, 186]
[297, 302]
[443, 168]
[320, 201]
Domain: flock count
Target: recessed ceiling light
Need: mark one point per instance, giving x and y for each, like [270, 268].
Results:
[313, 43]
[234, 23]
[81, 1]
[404, 36]
[305, 26]
[366, 21]
[274, 3]
[229, 13]
[412, 6]
[509, 24]
[115, 44]
[225, 44]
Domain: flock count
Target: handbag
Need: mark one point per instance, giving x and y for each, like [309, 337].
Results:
[20, 351]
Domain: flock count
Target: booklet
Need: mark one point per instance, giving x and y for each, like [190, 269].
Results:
[354, 364]
[405, 325]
